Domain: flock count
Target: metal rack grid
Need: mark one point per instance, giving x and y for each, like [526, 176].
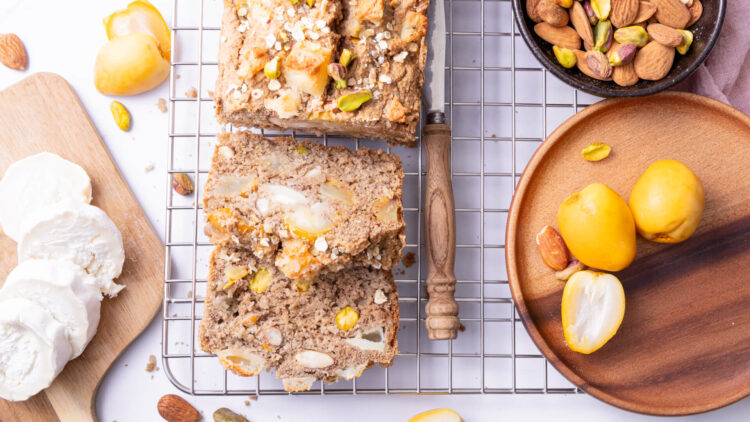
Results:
[501, 105]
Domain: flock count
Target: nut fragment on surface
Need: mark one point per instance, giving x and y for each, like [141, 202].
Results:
[174, 408]
[12, 52]
[121, 115]
[182, 184]
[596, 151]
[347, 318]
[151, 363]
[313, 360]
[552, 248]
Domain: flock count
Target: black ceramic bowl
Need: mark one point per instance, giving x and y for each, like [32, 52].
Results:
[706, 32]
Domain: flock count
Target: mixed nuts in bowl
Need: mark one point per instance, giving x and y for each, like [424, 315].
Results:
[620, 48]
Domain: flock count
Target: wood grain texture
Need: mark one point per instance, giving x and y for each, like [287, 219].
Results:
[440, 235]
[684, 344]
[42, 113]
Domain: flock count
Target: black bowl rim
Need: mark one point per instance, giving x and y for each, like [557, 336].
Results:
[636, 92]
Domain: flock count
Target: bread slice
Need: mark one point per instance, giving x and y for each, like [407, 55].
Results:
[256, 319]
[306, 207]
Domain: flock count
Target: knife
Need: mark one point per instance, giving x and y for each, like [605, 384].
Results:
[440, 220]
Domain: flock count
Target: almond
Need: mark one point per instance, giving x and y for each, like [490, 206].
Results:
[625, 75]
[584, 68]
[532, 9]
[175, 409]
[623, 12]
[645, 11]
[12, 52]
[654, 61]
[182, 184]
[582, 25]
[696, 10]
[552, 248]
[664, 34]
[672, 13]
[552, 13]
[565, 36]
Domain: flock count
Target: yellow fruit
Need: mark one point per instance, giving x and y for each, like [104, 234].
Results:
[129, 65]
[260, 281]
[140, 16]
[437, 415]
[593, 305]
[596, 151]
[667, 202]
[598, 228]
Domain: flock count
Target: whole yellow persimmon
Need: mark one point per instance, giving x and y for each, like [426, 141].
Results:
[129, 65]
[667, 202]
[598, 228]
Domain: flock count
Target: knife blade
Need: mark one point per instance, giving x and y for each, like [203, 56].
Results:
[440, 215]
[433, 89]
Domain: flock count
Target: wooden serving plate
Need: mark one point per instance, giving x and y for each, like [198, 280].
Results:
[684, 345]
[42, 113]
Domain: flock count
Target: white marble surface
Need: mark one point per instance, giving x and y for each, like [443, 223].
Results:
[63, 37]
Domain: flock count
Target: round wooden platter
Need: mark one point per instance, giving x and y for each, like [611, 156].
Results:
[684, 344]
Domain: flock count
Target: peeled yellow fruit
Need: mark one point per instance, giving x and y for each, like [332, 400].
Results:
[593, 305]
[140, 17]
[598, 228]
[667, 202]
[437, 415]
[129, 65]
[346, 318]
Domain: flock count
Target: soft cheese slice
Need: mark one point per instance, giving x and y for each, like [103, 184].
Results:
[36, 182]
[33, 349]
[80, 233]
[63, 289]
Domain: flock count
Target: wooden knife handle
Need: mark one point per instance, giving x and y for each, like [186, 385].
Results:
[440, 235]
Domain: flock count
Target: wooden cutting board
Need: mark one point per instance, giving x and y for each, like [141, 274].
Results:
[684, 344]
[42, 113]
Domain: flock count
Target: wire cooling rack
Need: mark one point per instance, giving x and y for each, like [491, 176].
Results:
[501, 105]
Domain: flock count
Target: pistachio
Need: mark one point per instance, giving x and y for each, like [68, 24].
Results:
[337, 71]
[633, 34]
[590, 12]
[597, 62]
[272, 69]
[182, 184]
[603, 36]
[353, 101]
[565, 56]
[121, 115]
[687, 40]
[225, 415]
[601, 8]
[573, 267]
[621, 54]
[564, 3]
[346, 57]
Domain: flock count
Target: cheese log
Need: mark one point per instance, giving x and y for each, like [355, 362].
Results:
[33, 349]
[40, 181]
[80, 233]
[64, 290]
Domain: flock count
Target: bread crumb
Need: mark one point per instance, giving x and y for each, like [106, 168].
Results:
[462, 328]
[149, 167]
[177, 76]
[191, 93]
[247, 402]
[190, 293]
[409, 259]
[151, 363]
[210, 93]
[254, 398]
[162, 105]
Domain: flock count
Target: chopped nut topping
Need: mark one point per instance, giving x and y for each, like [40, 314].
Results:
[320, 244]
[400, 57]
[380, 297]
[274, 85]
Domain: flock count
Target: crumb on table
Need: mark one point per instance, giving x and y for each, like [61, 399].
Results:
[162, 105]
[191, 93]
[151, 363]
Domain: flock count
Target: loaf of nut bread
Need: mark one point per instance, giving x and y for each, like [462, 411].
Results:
[306, 207]
[332, 327]
[275, 58]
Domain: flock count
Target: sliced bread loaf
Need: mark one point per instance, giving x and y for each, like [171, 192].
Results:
[334, 326]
